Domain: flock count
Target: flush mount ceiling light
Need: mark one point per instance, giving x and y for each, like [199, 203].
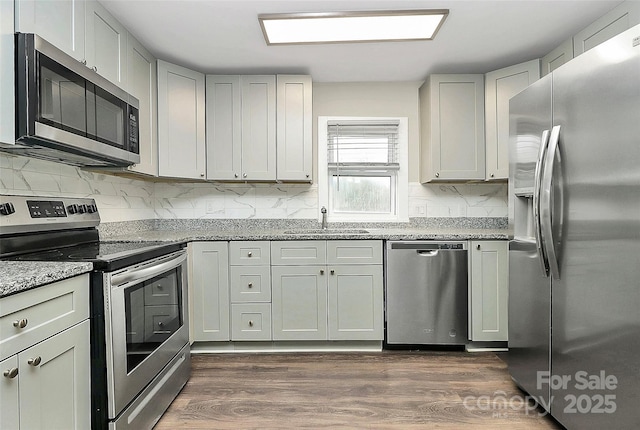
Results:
[346, 27]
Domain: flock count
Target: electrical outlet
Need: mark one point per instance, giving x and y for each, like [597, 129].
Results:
[210, 207]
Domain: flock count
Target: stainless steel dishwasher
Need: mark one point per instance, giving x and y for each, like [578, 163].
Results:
[426, 292]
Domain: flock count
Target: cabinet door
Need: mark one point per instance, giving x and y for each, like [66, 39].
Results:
[452, 112]
[294, 107]
[9, 406]
[209, 282]
[55, 390]
[105, 44]
[224, 127]
[258, 95]
[142, 83]
[557, 57]
[181, 122]
[7, 73]
[299, 302]
[619, 19]
[489, 291]
[500, 86]
[355, 303]
[60, 23]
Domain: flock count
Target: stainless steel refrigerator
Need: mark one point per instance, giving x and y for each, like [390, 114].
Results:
[574, 261]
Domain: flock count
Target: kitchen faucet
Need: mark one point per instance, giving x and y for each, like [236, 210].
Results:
[323, 210]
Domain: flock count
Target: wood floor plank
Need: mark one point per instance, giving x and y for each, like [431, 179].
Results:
[387, 390]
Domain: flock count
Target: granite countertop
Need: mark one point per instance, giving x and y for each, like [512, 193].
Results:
[18, 276]
[310, 234]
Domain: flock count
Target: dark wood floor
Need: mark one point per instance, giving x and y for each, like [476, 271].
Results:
[388, 390]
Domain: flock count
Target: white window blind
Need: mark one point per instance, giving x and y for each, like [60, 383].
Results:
[368, 145]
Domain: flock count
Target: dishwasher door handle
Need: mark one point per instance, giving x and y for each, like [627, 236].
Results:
[427, 252]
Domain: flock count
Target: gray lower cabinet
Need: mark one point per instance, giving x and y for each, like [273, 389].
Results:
[327, 290]
[355, 302]
[250, 290]
[45, 357]
[489, 290]
[209, 284]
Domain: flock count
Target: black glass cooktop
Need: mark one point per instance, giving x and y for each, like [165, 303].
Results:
[105, 255]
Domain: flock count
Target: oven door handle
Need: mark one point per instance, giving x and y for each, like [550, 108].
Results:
[147, 272]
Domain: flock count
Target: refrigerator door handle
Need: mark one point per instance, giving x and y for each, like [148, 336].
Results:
[544, 143]
[545, 202]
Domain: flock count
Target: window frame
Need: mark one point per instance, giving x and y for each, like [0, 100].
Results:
[399, 196]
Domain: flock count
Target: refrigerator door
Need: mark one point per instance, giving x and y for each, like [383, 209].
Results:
[596, 299]
[529, 286]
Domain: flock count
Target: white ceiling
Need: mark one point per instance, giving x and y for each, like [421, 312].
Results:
[224, 37]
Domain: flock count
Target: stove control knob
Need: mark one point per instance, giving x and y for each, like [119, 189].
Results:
[7, 208]
[91, 208]
[72, 209]
[82, 209]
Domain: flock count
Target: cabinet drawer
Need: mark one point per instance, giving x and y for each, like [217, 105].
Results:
[250, 284]
[42, 312]
[251, 321]
[162, 292]
[354, 252]
[249, 253]
[298, 252]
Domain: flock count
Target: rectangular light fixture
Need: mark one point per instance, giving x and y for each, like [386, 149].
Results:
[348, 27]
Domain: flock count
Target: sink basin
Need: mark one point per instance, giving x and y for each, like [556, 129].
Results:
[326, 231]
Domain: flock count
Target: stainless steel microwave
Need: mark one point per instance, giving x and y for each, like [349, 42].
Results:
[66, 112]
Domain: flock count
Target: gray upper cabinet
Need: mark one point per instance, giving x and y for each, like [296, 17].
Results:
[181, 122]
[623, 17]
[500, 86]
[241, 127]
[294, 116]
[452, 128]
[557, 57]
[142, 84]
[224, 147]
[105, 44]
[61, 23]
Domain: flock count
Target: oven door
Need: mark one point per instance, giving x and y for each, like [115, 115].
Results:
[146, 324]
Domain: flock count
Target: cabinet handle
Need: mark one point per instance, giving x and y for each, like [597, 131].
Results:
[95, 69]
[321, 272]
[244, 175]
[34, 361]
[250, 323]
[160, 324]
[11, 373]
[437, 175]
[250, 285]
[235, 175]
[492, 175]
[333, 272]
[307, 175]
[159, 286]
[202, 175]
[249, 254]
[478, 247]
[21, 323]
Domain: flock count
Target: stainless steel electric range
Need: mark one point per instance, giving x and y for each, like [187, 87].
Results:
[139, 314]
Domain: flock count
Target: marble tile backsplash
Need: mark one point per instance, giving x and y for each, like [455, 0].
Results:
[124, 199]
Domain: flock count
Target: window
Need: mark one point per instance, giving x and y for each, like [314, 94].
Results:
[363, 168]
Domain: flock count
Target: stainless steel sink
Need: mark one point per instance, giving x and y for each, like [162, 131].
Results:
[326, 231]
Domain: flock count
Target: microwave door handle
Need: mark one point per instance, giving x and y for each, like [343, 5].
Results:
[142, 273]
[544, 143]
[545, 202]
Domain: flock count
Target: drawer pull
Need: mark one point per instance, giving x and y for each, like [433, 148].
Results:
[21, 323]
[333, 272]
[159, 286]
[250, 285]
[160, 324]
[11, 373]
[249, 254]
[250, 323]
[34, 361]
[321, 272]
